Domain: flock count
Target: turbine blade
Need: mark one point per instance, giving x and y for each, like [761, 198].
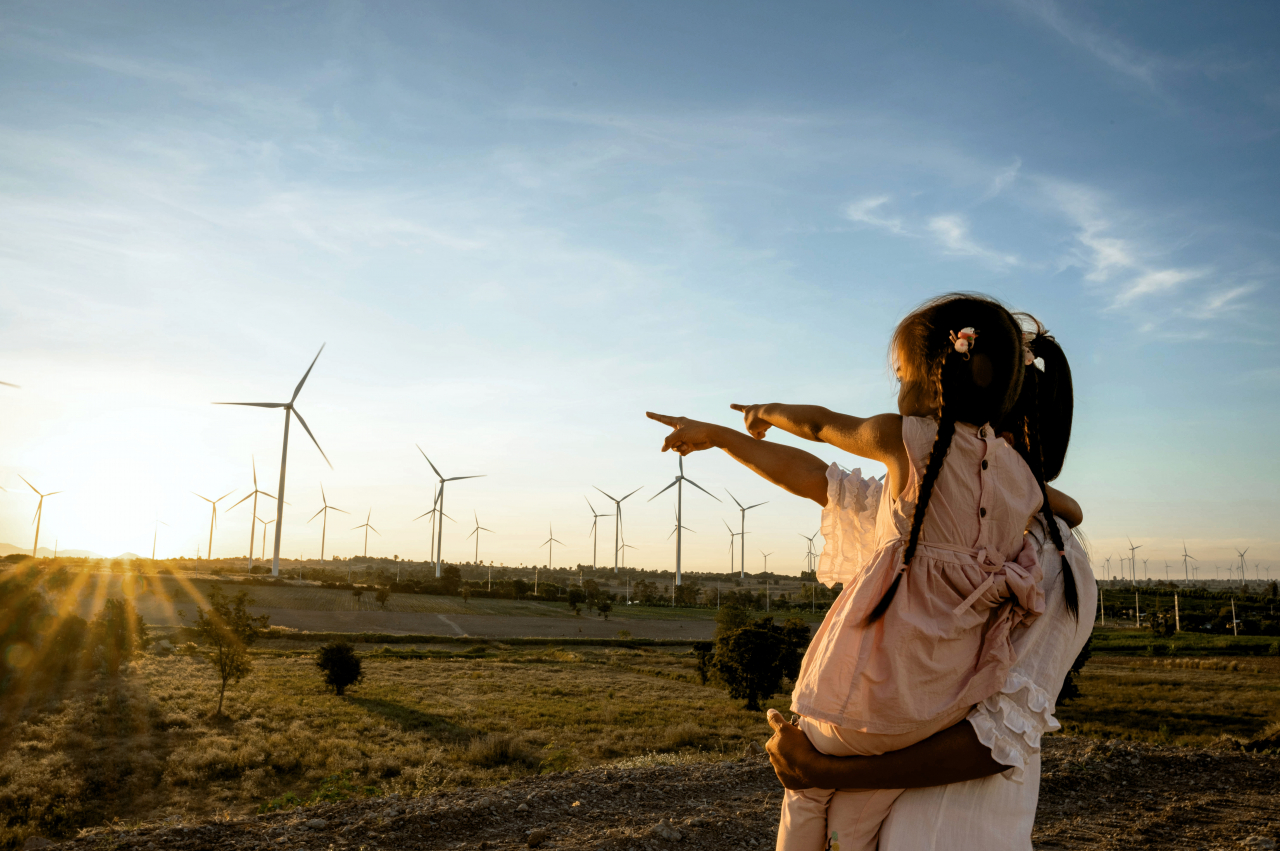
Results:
[490, 531]
[205, 498]
[460, 478]
[673, 531]
[313, 516]
[225, 495]
[592, 507]
[424, 514]
[704, 490]
[757, 505]
[560, 542]
[615, 500]
[312, 436]
[7, 384]
[241, 500]
[664, 490]
[33, 487]
[634, 492]
[331, 508]
[256, 404]
[447, 517]
[734, 498]
[298, 389]
[433, 466]
[375, 531]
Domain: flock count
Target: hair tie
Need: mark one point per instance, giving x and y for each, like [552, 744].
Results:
[964, 341]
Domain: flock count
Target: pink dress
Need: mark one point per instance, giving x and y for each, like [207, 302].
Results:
[944, 643]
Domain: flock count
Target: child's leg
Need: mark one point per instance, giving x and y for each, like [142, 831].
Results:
[804, 813]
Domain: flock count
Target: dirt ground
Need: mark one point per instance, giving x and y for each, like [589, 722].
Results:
[487, 626]
[1093, 796]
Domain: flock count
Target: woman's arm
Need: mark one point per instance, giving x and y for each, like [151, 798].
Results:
[950, 756]
[789, 468]
[1065, 507]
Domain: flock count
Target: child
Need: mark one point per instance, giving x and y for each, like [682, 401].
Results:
[921, 631]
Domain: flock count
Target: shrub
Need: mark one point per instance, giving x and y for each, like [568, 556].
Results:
[229, 629]
[495, 749]
[341, 666]
[753, 660]
[604, 607]
[382, 597]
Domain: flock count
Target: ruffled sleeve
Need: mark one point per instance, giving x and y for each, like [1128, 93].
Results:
[1011, 723]
[848, 525]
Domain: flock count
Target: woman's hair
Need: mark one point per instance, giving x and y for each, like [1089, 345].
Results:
[976, 386]
[1040, 424]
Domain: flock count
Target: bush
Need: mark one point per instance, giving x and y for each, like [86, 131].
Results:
[118, 633]
[229, 629]
[495, 749]
[753, 660]
[382, 597]
[341, 666]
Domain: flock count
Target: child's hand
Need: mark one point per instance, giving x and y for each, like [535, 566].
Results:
[687, 435]
[755, 425]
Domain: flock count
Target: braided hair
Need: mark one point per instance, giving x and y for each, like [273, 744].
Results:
[977, 387]
[1040, 423]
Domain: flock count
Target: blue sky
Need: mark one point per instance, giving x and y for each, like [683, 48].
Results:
[519, 226]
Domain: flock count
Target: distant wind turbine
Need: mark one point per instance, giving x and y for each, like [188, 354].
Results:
[678, 484]
[440, 504]
[284, 451]
[476, 531]
[809, 550]
[265, 524]
[732, 535]
[617, 522]
[678, 527]
[1133, 563]
[594, 533]
[766, 560]
[742, 566]
[435, 514]
[156, 533]
[325, 508]
[39, 512]
[213, 517]
[624, 548]
[1242, 564]
[366, 527]
[551, 539]
[254, 520]
[1186, 555]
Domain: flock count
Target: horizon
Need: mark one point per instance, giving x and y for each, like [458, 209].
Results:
[517, 230]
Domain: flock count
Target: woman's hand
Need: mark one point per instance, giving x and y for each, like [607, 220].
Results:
[755, 425]
[687, 435]
[791, 753]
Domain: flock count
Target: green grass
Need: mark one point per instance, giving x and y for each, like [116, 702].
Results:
[1133, 642]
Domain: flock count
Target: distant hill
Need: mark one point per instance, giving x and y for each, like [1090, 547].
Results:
[46, 552]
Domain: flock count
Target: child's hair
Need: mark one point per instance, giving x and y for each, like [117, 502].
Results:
[977, 386]
[1040, 424]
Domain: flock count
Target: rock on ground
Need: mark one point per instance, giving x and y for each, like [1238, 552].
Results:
[1094, 795]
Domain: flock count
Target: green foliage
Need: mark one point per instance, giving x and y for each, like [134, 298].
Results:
[335, 787]
[753, 660]
[341, 666]
[229, 629]
[117, 634]
[731, 617]
[604, 607]
[382, 596]
[576, 597]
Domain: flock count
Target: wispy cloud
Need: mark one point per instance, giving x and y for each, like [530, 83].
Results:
[952, 232]
[1002, 181]
[867, 211]
[1223, 301]
[1116, 53]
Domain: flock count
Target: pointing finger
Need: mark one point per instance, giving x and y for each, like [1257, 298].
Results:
[663, 418]
[740, 408]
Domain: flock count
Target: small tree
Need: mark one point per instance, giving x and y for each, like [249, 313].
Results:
[118, 632]
[753, 660]
[382, 596]
[229, 629]
[341, 666]
[604, 607]
[576, 598]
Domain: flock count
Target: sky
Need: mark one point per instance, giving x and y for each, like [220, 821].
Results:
[516, 227]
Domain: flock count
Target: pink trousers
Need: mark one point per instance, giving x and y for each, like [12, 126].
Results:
[845, 819]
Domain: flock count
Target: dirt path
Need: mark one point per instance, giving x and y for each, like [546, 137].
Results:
[487, 626]
[1093, 796]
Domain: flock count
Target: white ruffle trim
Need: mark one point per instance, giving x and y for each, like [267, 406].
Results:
[1011, 723]
[848, 525]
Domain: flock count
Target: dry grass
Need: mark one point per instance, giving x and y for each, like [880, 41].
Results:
[145, 747]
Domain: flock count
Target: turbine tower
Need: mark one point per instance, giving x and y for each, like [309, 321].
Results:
[678, 484]
[476, 531]
[324, 524]
[289, 409]
[156, 533]
[766, 560]
[732, 535]
[1242, 565]
[366, 527]
[742, 564]
[1186, 555]
[440, 504]
[1133, 563]
[39, 508]
[617, 523]
[595, 521]
[254, 494]
[213, 517]
[265, 524]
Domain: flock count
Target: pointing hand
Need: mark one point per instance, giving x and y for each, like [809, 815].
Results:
[755, 425]
[687, 435]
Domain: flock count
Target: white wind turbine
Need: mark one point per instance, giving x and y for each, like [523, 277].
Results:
[678, 484]
[284, 451]
[742, 566]
[595, 521]
[476, 531]
[1241, 553]
[366, 527]
[617, 523]
[253, 521]
[265, 524]
[551, 539]
[324, 524]
[1186, 555]
[440, 504]
[435, 513]
[39, 515]
[766, 561]
[732, 535]
[156, 533]
[1133, 562]
[810, 552]
[213, 517]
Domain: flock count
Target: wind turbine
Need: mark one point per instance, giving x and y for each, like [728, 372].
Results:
[324, 524]
[625, 547]
[366, 527]
[742, 566]
[440, 504]
[284, 451]
[766, 561]
[265, 524]
[213, 517]
[156, 533]
[732, 535]
[254, 494]
[1186, 555]
[678, 527]
[551, 539]
[1107, 572]
[476, 531]
[678, 484]
[1242, 564]
[39, 510]
[617, 523]
[434, 513]
[809, 552]
[595, 520]
[1133, 563]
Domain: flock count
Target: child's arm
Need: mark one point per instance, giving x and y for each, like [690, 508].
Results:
[789, 468]
[878, 438]
[1065, 507]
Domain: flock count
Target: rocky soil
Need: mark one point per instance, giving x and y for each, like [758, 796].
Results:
[1093, 795]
